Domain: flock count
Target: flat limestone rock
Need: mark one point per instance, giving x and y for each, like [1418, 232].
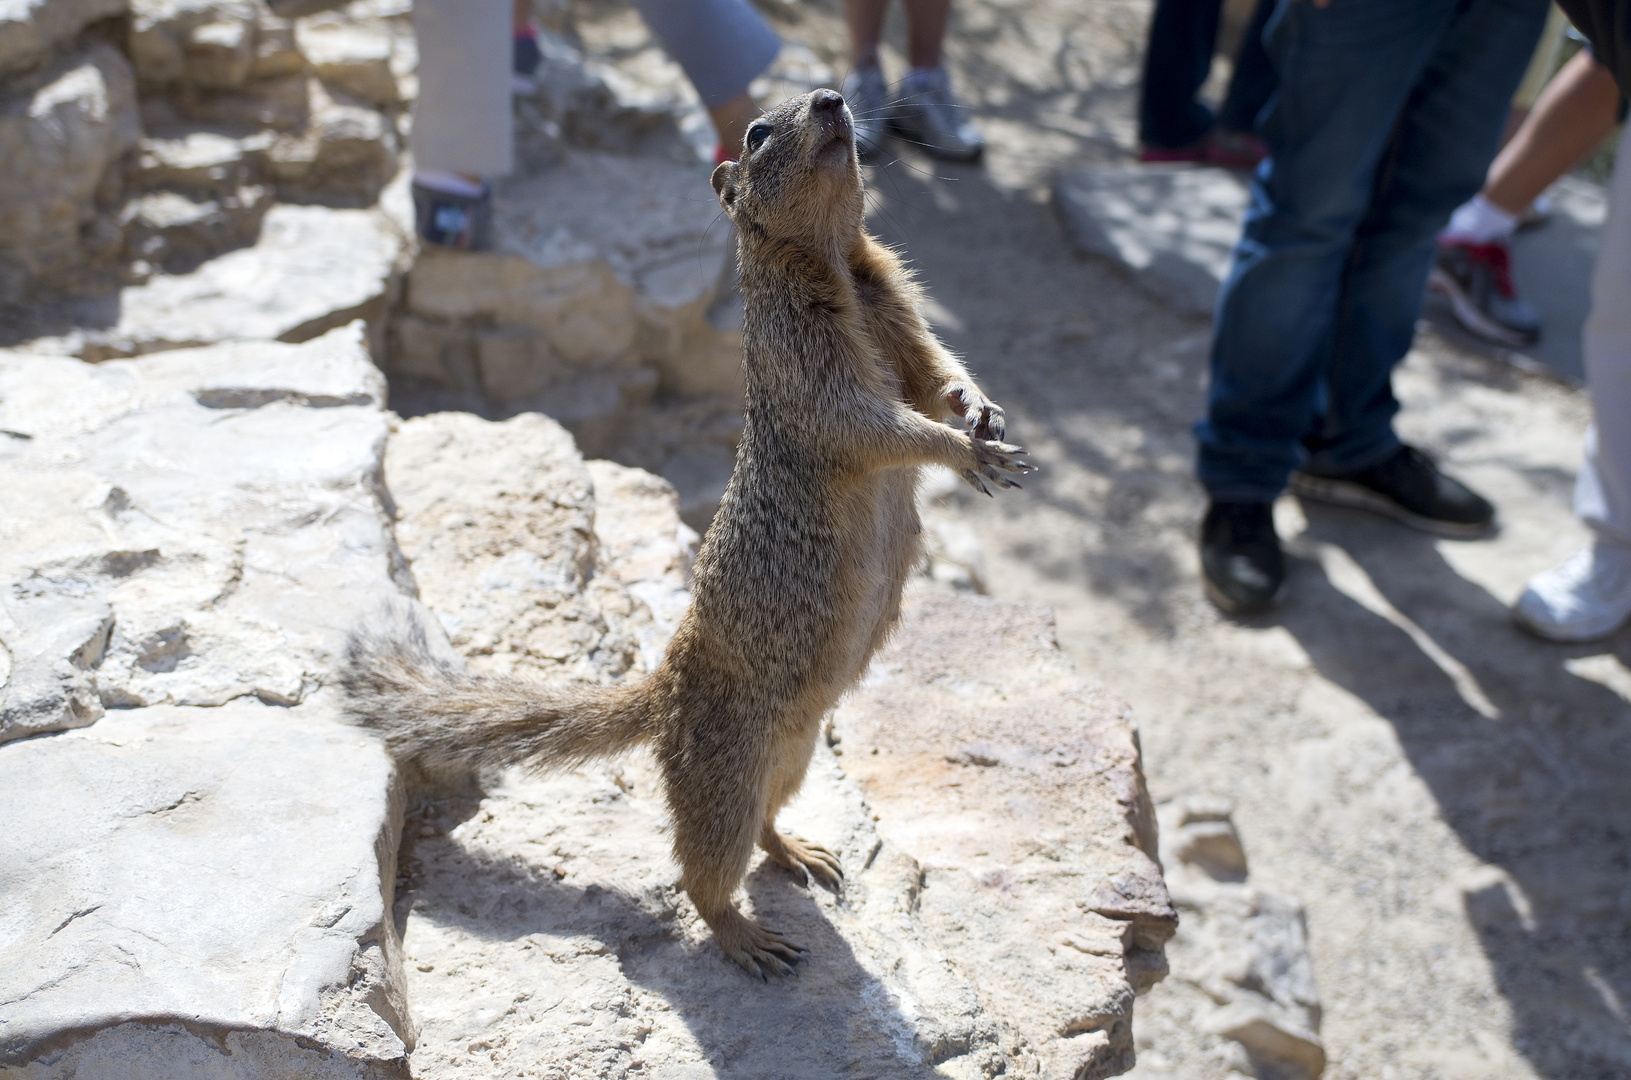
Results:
[31, 29]
[208, 902]
[186, 528]
[1173, 226]
[611, 261]
[61, 130]
[1019, 792]
[196, 881]
[545, 932]
[311, 269]
[526, 571]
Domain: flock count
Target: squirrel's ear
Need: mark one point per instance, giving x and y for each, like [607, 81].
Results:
[724, 181]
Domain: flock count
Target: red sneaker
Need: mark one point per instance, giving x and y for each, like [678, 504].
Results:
[1195, 152]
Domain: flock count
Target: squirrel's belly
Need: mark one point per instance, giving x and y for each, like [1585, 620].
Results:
[885, 544]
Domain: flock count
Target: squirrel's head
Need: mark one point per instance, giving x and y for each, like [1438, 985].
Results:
[798, 178]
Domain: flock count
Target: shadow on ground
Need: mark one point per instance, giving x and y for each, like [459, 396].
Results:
[1102, 381]
[831, 1018]
[1533, 784]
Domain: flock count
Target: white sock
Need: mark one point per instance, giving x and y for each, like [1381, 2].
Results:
[1479, 221]
[449, 183]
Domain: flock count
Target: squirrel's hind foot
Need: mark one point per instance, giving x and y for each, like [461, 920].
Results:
[804, 859]
[759, 951]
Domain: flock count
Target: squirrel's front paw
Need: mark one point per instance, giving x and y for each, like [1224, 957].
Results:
[982, 417]
[994, 461]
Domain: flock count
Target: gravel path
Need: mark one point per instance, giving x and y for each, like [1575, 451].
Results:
[1447, 796]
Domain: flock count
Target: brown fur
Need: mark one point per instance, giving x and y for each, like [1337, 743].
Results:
[800, 575]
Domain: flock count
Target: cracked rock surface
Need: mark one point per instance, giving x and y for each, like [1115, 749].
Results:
[1002, 929]
[187, 528]
[197, 881]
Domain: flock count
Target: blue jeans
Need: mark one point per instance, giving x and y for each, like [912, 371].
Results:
[1387, 115]
[1183, 34]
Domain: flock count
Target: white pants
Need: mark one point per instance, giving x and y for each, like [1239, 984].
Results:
[1602, 494]
[462, 120]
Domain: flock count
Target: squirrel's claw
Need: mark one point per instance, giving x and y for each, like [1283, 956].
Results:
[974, 481]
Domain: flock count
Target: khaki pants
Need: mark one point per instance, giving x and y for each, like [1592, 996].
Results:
[463, 123]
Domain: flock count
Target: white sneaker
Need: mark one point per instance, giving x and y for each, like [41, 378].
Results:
[867, 95]
[928, 114]
[1585, 597]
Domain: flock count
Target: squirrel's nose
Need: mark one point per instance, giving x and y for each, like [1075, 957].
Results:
[826, 101]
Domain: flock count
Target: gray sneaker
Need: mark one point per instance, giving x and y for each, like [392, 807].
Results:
[867, 96]
[926, 113]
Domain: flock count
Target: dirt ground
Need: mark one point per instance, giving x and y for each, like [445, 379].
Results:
[1449, 797]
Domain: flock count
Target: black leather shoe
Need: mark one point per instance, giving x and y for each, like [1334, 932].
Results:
[1241, 563]
[1408, 488]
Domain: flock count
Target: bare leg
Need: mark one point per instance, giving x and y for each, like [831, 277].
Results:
[731, 121]
[926, 31]
[1574, 114]
[865, 19]
[521, 14]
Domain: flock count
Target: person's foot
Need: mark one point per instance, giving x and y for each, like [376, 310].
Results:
[1477, 278]
[452, 212]
[926, 112]
[1585, 597]
[1229, 149]
[867, 95]
[1408, 488]
[1242, 567]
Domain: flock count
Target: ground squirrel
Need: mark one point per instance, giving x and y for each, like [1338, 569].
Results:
[799, 577]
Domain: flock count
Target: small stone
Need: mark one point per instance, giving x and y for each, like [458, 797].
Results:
[1214, 846]
[1268, 1034]
[219, 55]
[351, 58]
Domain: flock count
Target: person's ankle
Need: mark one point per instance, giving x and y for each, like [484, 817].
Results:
[1479, 221]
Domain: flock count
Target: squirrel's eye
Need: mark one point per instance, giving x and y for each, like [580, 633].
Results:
[757, 134]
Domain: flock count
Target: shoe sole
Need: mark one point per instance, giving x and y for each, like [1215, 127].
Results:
[1473, 320]
[1357, 497]
[901, 131]
[1230, 606]
[1563, 637]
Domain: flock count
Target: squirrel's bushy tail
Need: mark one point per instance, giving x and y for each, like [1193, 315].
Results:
[449, 722]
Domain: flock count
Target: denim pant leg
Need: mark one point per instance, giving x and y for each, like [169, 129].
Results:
[1437, 160]
[1183, 34]
[1254, 80]
[1347, 73]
